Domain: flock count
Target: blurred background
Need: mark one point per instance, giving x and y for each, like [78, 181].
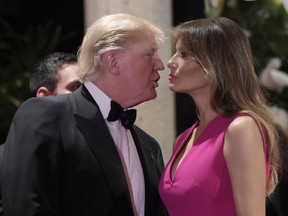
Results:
[30, 29]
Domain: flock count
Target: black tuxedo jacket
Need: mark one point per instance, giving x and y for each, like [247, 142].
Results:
[1, 167]
[276, 204]
[60, 159]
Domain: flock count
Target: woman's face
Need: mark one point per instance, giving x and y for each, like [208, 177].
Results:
[186, 74]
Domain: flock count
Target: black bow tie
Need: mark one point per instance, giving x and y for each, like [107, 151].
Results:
[127, 117]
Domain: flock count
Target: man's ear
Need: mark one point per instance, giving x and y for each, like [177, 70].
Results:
[110, 61]
[43, 91]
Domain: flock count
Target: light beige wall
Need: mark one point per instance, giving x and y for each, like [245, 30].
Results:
[156, 117]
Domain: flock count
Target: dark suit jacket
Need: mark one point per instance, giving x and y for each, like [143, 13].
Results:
[60, 159]
[1, 168]
[276, 204]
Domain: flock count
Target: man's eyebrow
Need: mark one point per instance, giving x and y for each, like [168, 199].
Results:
[154, 48]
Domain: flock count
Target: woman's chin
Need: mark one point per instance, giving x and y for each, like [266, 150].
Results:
[172, 87]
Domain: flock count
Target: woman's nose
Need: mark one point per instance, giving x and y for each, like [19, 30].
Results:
[171, 64]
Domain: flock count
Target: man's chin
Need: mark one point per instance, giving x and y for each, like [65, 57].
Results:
[153, 96]
[150, 97]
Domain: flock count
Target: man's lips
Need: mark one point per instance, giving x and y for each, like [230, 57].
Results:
[156, 82]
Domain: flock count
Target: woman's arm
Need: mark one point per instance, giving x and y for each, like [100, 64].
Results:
[245, 158]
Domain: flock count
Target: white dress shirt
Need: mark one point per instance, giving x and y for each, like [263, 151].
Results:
[126, 149]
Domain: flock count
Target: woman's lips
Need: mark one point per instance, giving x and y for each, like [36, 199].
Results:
[171, 76]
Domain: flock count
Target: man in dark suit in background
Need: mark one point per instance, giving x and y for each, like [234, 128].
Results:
[276, 203]
[70, 154]
[54, 74]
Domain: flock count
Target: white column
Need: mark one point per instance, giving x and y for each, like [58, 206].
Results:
[156, 117]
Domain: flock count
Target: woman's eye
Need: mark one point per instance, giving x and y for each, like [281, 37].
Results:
[183, 54]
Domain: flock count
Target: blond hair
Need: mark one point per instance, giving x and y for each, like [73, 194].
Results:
[111, 32]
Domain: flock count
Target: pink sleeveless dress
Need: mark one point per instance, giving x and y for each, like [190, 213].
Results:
[201, 185]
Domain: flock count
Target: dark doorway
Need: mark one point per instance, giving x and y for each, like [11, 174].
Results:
[185, 10]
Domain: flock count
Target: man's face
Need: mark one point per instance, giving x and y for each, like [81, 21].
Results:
[68, 81]
[139, 66]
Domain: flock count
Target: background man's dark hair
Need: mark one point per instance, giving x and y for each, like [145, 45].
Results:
[46, 71]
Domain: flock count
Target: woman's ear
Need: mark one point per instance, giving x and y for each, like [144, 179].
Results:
[43, 91]
[110, 61]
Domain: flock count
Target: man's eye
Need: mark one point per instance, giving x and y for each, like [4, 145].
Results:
[150, 54]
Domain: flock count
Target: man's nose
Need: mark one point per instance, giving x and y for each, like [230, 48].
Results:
[159, 64]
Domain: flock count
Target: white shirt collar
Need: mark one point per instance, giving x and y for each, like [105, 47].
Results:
[100, 98]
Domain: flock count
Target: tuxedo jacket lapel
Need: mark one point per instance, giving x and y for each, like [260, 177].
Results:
[93, 127]
[148, 161]
[151, 171]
